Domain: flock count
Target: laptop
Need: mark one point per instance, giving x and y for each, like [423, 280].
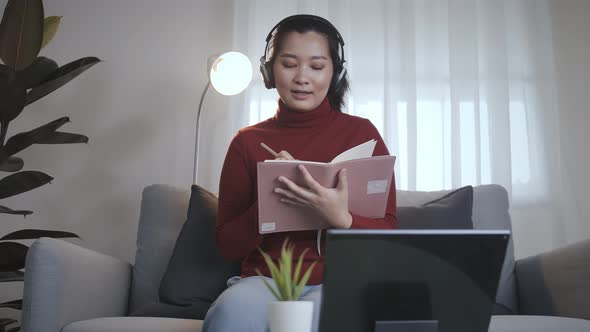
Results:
[411, 280]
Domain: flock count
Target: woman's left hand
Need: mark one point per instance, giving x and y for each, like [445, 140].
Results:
[331, 204]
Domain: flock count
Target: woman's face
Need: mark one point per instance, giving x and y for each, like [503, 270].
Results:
[303, 70]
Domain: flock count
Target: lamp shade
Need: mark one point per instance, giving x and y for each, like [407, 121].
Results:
[231, 73]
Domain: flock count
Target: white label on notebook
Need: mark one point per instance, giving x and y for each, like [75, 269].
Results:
[268, 227]
[376, 187]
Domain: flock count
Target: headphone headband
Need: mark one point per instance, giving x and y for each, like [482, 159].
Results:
[308, 17]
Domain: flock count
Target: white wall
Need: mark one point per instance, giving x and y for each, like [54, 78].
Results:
[571, 38]
[138, 107]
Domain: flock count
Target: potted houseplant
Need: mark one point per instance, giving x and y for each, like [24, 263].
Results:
[26, 77]
[288, 314]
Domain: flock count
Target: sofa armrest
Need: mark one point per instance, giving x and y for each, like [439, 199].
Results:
[66, 283]
[556, 283]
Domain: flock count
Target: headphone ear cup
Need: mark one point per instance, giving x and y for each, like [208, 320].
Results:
[338, 77]
[266, 71]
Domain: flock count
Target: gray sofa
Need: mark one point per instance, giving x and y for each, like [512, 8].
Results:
[72, 289]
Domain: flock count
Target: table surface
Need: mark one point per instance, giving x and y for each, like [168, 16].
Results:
[522, 323]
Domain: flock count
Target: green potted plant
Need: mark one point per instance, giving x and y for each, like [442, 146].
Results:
[288, 314]
[26, 77]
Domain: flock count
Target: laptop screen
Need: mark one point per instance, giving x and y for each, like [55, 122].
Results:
[373, 278]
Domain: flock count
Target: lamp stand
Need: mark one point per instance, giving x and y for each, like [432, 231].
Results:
[196, 162]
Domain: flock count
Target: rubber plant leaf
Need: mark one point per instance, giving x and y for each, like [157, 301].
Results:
[21, 182]
[5, 210]
[16, 304]
[11, 164]
[29, 234]
[59, 137]
[36, 73]
[12, 256]
[12, 276]
[21, 34]
[60, 77]
[50, 25]
[21, 141]
[12, 97]
[5, 322]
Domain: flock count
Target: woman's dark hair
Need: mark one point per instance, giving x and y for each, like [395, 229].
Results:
[335, 95]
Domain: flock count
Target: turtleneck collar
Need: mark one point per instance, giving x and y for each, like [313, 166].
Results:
[287, 117]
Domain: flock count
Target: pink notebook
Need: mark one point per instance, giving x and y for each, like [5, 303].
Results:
[369, 181]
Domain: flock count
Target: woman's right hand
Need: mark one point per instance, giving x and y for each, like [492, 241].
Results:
[284, 155]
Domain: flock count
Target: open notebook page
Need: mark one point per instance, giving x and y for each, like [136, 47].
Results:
[363, 150]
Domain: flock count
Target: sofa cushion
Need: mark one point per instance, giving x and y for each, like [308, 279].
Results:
[135, 324]
[451, 211]
[197, 272]
[520, 323]
[159, 309]
[555, 283]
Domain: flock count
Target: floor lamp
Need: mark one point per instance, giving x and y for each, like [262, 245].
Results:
[230, 73]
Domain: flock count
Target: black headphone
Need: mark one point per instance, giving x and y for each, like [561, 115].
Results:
[339, 70]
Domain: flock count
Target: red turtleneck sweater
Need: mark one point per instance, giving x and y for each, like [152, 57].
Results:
[317, 135]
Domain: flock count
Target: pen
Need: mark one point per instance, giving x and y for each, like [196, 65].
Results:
[271, 151]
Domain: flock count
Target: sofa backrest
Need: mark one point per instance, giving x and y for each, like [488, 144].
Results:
[164, 209]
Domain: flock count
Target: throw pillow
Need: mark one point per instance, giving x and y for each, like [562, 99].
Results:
[158, 309]
[451, 211]
[197, 272]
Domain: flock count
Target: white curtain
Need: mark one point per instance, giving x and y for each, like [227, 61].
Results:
[462, 91]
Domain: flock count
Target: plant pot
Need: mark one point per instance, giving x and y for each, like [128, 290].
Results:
[290, 316]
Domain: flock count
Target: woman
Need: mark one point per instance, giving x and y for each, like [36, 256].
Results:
[306, 67]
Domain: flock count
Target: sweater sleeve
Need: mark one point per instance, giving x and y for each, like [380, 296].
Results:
[237, 213]
[390, 219]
